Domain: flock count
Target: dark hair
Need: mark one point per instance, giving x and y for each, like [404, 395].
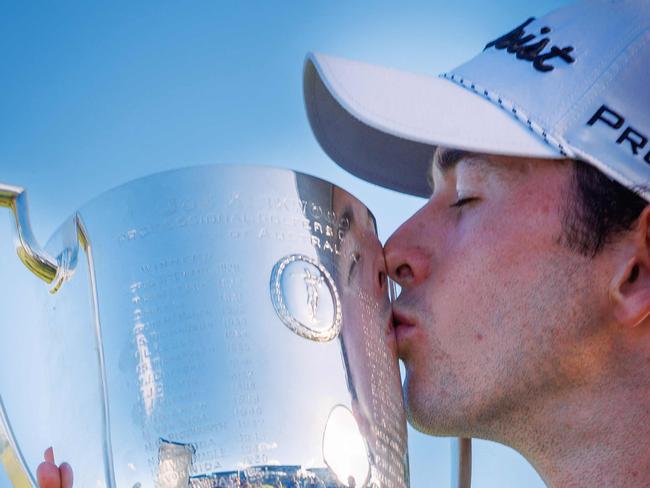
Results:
[598, 210]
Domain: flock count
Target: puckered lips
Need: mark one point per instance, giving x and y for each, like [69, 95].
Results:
[404, 325]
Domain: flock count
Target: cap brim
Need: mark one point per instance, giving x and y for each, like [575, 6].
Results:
[382, 124]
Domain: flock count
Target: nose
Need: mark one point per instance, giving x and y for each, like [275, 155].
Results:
[407, 251]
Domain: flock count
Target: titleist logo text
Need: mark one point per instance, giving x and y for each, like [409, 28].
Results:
[527, 48]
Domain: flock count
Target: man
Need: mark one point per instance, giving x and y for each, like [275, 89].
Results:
[525, 303]
[524, 315]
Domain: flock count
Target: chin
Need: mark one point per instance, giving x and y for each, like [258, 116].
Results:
[417, 405]
[430, 409]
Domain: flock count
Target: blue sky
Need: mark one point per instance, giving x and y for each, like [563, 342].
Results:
[94, 94]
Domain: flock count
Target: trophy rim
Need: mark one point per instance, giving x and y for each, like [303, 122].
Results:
[198, 167]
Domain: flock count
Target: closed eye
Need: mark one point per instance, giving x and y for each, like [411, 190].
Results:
[463, 201]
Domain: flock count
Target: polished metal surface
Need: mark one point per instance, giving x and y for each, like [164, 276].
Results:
[230, 326]
[10, 456]
[30, 253]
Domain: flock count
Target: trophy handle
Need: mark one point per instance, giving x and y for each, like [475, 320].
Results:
[53, 271]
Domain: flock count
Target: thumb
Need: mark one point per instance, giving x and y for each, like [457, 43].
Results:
[49, 455]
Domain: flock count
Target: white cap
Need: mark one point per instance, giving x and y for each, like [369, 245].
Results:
[574, 83]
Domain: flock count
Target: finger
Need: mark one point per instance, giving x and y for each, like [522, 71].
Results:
[66, 475]
[49, 455]
[48, 476]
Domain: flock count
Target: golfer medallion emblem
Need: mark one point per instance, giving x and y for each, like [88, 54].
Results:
[305, 298]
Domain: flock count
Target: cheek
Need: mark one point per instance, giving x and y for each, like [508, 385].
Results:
[490, 260]
[508, 239]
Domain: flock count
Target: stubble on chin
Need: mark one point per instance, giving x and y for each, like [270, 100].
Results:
[434, 403]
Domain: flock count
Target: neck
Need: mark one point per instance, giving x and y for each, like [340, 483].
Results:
[599, 436]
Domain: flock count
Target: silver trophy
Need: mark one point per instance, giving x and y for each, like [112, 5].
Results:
[208, 327]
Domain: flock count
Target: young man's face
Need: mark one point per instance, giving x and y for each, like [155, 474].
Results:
[495, 313]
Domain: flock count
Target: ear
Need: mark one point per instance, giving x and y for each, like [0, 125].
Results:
[630, 288]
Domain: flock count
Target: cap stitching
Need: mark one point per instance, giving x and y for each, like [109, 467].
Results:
[514, 110]
[631, 35]
[606, 78]
[609, 52]
[560, 144]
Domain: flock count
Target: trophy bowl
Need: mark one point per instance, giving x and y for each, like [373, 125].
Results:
[215, 326]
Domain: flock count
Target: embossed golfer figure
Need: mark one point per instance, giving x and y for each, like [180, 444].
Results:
[312, 282]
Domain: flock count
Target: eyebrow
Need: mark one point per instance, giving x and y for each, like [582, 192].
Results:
[445, 159]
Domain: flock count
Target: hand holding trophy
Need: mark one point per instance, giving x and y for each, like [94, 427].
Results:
[49, 475]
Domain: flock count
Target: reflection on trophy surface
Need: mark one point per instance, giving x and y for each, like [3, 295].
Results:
[229, 327]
